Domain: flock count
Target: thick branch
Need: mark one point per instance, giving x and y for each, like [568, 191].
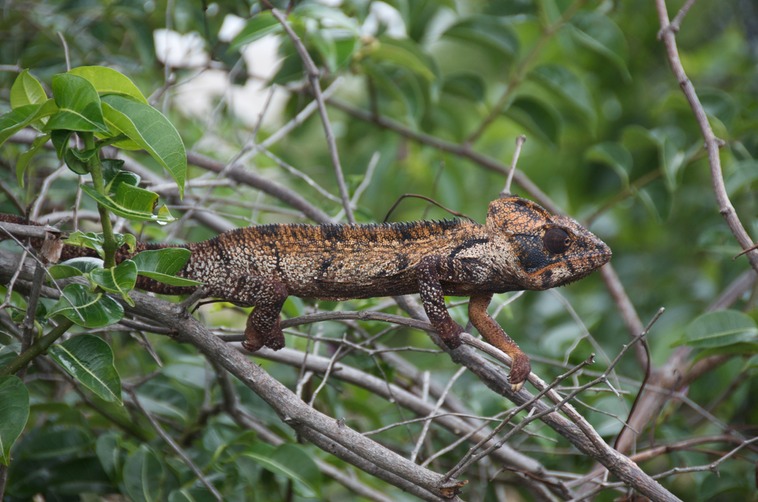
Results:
[311, 423]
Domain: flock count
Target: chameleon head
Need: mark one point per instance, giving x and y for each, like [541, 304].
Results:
[549, 250]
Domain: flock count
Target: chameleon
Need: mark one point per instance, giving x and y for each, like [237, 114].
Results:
[521, 246]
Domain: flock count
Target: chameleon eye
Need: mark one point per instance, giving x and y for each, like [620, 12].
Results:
[556, 240]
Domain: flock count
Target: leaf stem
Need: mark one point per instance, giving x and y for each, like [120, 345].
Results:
[36, 348]
[95, 169]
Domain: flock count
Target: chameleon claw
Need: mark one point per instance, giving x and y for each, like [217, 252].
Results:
[256, 339]
[520, 369]
[275, 340]
[251, 345]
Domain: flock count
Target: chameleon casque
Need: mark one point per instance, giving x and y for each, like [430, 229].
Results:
[520, 247]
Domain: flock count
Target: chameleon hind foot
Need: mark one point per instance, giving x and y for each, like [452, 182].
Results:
[255, 339]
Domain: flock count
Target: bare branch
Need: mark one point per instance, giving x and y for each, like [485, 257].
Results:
[512, 169]
[313, 78]
[712, 143]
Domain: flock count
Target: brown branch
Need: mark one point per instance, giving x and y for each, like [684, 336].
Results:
[712, 144]
[686, 444]
[443, 417]
[321, 429]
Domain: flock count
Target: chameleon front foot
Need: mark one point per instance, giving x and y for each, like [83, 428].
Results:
[520, 369]
[494, 334]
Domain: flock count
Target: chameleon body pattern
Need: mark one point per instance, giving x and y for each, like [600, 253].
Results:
[520, 247]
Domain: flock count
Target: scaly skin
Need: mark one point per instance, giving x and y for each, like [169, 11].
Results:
[520, 247]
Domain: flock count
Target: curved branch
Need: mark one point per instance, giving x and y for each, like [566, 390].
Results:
[712, 143]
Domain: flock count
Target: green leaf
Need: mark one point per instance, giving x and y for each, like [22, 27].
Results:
[108, 450]
[259, 26]
[130, 240]
[743, 178]
[87, 308]
[152, 131]
[465, 85]
[490, 32]
[60, 140]
[75, 267]
[114, 176]
[537, 117]
[79, 107]
[740, 350]
[286, 463]
[720, 329]
[144, 476]
[14, 413]
[672, 156]
[402, 91]
[75, 162]
[94, 240]
[91, 240]
[564, 84]
[139, 208]
[325, 48]
[169, 404]
[109, 81]
[163, 265]
[599, 34]
[26, 90]
[615, 156]
[89, 360]
[406, 55]
[298, 459]
[719, 104]
[134, 198]
[24, 158]
[119, 279]
[18, 118]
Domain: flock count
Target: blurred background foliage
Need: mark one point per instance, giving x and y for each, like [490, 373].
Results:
[610, 140]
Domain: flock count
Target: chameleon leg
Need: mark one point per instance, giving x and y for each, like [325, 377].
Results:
[494, 334]
[267, 296]
[430, 291]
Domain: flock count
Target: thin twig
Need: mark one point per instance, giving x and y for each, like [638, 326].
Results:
[174, 446]
[712, 143]
[313, 78]
[437, 406]
[520, 140]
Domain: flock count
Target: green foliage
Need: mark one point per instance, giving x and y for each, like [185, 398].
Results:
[433, 99]
[13, 414]
[290, 462]
[85, 307]
[83, 100]
[90, 361]
[163, 265]
[149, 130]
